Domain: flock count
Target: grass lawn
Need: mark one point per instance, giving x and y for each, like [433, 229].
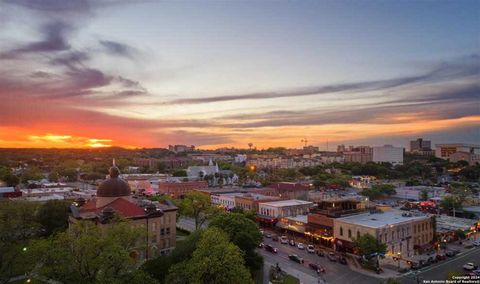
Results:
[289, 279]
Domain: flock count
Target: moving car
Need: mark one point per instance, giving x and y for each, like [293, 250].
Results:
[476, 243]
[470, 266]
[450, 253]
[320, 253]
[283, 240]
[296, 258]
[319, 269]
[271, 249]
[332, 257]
[292, 243]
[268, 235]
[310, 249]
[342, 260]
[441, 257]
[300, 246]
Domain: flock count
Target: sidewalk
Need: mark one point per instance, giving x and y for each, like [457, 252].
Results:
[302, 276]
[354, 265]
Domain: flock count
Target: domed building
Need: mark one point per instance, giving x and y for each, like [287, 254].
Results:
[114, 200]
[113, 188]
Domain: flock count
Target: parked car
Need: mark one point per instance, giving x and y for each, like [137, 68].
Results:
[310, 249]
[271, 249]
[332, 257]
[275, 238]
[440, 257]
[262, 232]
[470, 266]
[415, 266]
[300, 246]
[283, 240]
[296, 258]
[432, 260]
[292, 243]
[268, 235]
[476, 243]
[260, 245]
[342, 260]
[320, 253]
[450, 253]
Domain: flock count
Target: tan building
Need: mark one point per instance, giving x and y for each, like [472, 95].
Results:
[284, 208]
[423, 233]
[114, 199]
[250, 201]
[393, 228]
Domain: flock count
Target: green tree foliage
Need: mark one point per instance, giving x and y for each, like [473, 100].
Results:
[179, 173]
[53, 216]
[17, 226]
[31, 173]
[244, 233]
[379, 190]
[215, 261]
[460, 234]
[8, 177]
[53, 176]
[424, 195]
[450, 202]
[87, 253]
[368, 244]
[158, 267]
[198, 206]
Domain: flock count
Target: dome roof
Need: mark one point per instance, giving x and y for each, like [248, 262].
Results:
[114, 186]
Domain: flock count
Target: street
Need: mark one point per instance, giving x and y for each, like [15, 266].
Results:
[335, 272]
[440, 270]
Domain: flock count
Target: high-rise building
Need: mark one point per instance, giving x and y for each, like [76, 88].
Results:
[388, 154]
[420, 145]
[445, 150]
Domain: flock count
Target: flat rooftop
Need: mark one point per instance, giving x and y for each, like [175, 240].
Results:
[284, 203]
[378, 220]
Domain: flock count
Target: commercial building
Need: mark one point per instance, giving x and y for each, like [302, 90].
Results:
[178, 189]
[291, 190]
[420, 145]
[284, 208]
[360, 154]
[393, 228]
[225, 200]
[388, 154]
[181, 148]
[470, 158]
[250, 201]
[444, 151]
[114, 198]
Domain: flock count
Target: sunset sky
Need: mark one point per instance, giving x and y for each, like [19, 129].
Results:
[226, 73]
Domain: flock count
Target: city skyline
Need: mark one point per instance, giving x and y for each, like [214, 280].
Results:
[215, 74]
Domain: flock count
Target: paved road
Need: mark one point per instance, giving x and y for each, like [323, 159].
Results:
[440, 270]
[335, 272]
[188, 224]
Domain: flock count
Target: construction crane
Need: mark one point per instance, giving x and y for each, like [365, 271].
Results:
[304, 141]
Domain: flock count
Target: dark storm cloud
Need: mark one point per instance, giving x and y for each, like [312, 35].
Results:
[465, 67]
[53, 39]
[117, 48]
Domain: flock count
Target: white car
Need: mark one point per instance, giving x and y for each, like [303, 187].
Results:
[476, 243]
[283, 240]
[300, 246]
[310, 249]
[469, 266]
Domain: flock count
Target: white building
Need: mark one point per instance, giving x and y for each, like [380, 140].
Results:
[388, 154]
[226, 200]
[284, 208]
[395, 228]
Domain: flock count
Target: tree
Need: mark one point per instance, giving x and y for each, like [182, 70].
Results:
[87, 253]
[424, 195]
[158, 267]
[244, 233]
[31, 173]
[215, 261]
[17, 226]
[198, 206]
[460, 234]
[179, 173]
[53, 176]
[53, 216]
[368, 244]
[450, 202]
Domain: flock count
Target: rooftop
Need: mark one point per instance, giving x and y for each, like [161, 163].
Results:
[378, 220]
[283, 203]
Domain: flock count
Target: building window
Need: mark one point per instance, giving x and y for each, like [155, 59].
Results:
[168, 231]
[349, 233]
[341, 231]
[358, 234]
[393, 235]
[162, 232]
